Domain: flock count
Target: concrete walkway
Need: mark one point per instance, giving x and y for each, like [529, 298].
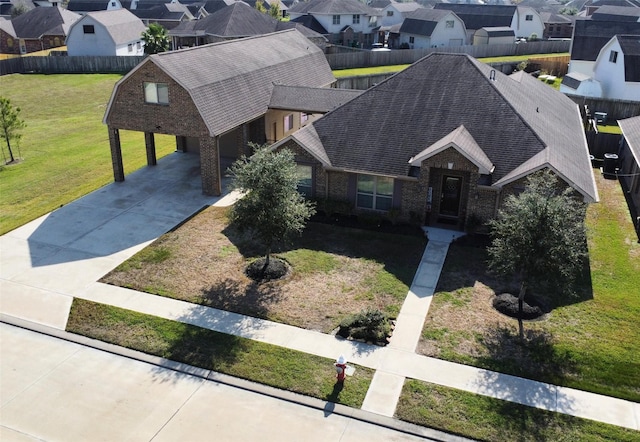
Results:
[47, 262]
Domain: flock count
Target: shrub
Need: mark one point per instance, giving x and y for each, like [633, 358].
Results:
[370, 325]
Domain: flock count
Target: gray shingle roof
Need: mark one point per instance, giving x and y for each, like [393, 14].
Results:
[481, 16]
[239, 90]
[166, 12]
[631, 132]
[630, 45]
[332, 7]
[87, 5]
[123, 26]
[236, 20]
[406, 7]
[500, 31]
[589, 36]
[514, 120]
[44, 21]
[310, 22]
[422, 21]
[573, 79]
[310, 100]
[619, 13]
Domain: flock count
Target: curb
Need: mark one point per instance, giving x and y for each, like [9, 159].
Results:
[209, 375]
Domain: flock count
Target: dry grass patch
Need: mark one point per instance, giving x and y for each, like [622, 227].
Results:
[335, 271]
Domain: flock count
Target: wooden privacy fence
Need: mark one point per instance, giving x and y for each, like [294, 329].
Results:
[558, 66]
[615, 109]
[601, 143]
[69, 65]
[359, 59]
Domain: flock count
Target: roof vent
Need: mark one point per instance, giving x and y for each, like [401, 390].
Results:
[492, 75]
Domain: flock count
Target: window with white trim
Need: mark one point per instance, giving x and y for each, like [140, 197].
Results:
[288, 122]
[448, 24]
[156, 93]
[412, 40]
[130, 47]
[374, 192]
[613, 56]
[303, 118]
[138, 45]
[88, 29]
[305, 179]
[356, 19]
[336, 19]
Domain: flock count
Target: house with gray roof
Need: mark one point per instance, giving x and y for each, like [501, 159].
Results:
[629, 173]
[237, 20]
[84, 6]
[105, 33]
[167, 15]
[348, 22]
[524, 20]
[429, 28]
[213, 108]
[395, 12]
[444, 152]
[557, 25]
[36, 30]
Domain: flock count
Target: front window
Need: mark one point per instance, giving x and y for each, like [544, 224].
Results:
[449, 24]
[528, 17]
[613, 56]
[156, 93]
[356, 19]
[130, 47]
[374, 192]
[336, 19]
[288, 122]
[305, 179]
[138, 45]
[412, 40]
[303, 118]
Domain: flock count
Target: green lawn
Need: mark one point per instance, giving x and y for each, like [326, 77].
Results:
[263, 363]
[485, 418]
[65, 146]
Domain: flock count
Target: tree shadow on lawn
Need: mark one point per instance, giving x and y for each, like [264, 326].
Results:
[400, 254]
[231, 295]
[536, 358]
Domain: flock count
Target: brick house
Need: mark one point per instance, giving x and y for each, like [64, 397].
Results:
[440, 149]
[214, 98]
[36, 30]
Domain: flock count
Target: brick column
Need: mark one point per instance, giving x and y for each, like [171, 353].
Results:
[210, 165]
[116, 154]
[150, 144]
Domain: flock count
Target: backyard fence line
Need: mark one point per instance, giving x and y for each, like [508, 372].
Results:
[69, 65]
[615, 109]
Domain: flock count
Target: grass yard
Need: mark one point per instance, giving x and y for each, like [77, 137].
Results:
[336, 271]
[589, 343]
[65, 147]
[485, 418]
[263, 363]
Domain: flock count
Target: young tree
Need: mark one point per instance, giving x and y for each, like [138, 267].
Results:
[10, 123]
[271, 208]
[260, 6]
[539, 235]
[18, 9]
[156, 39]
[274, 10]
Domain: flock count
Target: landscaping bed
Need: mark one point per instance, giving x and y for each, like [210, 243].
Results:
[334, 271]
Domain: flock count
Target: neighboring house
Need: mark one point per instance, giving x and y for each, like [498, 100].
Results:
[267, 5]
[84, 6]
[617, 68]
[168, 15]
[36, 30]
[395, 12]
[617, 13]
[348, 22]
[629, 173]
[105, 33]
[499, 35]
[557, 25]
[440, 152]
[238, 20]
[429, 28]
[591, 7]
[213, 108]
[590, 35]
[524, 21]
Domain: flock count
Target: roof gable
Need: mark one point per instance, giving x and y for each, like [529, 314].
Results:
[239, 90]
[236, 20]
[44, 21]
[589, 36]
[462, 141]
[332, 7]
[122, 26]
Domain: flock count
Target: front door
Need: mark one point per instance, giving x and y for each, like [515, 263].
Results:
[450, 198]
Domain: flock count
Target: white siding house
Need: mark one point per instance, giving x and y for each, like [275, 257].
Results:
[105, 33]
[527, 22]
[617, 68]
[396, 12]
[429, 28]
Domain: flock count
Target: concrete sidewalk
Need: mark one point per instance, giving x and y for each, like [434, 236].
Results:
[48, 262]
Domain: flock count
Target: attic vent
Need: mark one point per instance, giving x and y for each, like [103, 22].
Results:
[492, 75]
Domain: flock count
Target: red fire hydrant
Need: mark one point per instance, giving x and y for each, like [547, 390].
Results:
[341, 368]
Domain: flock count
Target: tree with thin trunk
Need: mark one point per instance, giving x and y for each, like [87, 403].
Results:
[10, 124]
[260, 6]
[156, 39]
[539, 236]
[271, 208]
[274, 10]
